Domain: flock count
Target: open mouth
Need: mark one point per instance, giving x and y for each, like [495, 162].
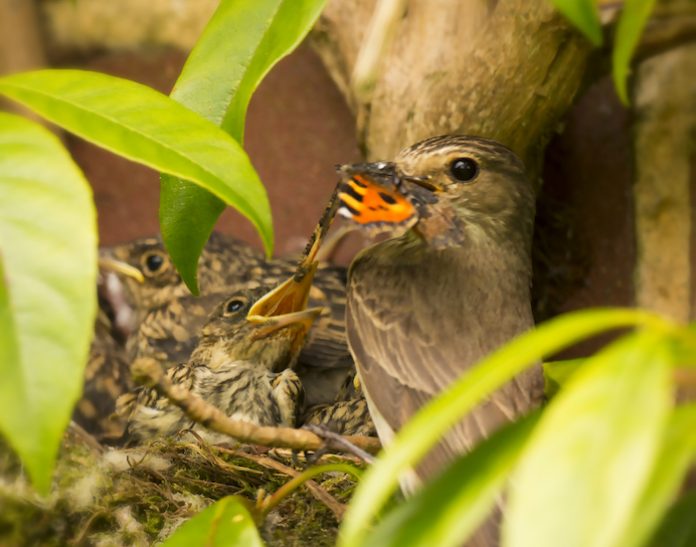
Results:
[286, 304]
[114, 297]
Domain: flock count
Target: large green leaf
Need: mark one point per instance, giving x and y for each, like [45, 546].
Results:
[634, 16]
[446, 511]
[678, 529]
[676, 456]
[226, 523]
[584, 16]
[440, 414]
[587, 462]
[241, 43]
[48, 243]
[141, 124]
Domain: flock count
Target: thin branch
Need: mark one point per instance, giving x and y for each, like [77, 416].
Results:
[336, 507]
[269, 502]
[150, 372]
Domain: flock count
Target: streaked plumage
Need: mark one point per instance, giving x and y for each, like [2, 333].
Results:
[159, 318]
[239, 366]
[226, 265]
[106, 377]
[347, 415]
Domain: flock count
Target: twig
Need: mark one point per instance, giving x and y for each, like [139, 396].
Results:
[150, 372]
[338, 440]
[269, 502]
[336, 507]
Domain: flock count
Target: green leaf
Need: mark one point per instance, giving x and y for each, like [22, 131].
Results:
[226, 523]
[673, 462]
[678, 529]
[240, 44]
[634, 16]
[584, 16]
[434, 419]
[557, 373]
[446, 511]
[48, 244]
[593, 451]
[143, 125]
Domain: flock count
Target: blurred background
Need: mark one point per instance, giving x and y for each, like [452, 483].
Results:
[599, 230]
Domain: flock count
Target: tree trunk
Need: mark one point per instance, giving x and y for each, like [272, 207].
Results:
[505, 70]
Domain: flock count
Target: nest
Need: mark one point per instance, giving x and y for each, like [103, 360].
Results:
[139, 496]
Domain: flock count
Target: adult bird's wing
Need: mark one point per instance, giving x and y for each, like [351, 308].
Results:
[412, 336]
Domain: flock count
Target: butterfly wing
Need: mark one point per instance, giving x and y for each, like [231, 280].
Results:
[370, 204]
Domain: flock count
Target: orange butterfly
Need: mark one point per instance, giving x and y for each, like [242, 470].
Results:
[373, 205]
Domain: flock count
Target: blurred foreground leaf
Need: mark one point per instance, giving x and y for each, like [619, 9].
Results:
[679, 527]
[677, 454]
[423, 431]
[240, 44]
[226, 523]
[591, 455]
[143, 125]
[446, 511]
[48, 275]
[557, 373]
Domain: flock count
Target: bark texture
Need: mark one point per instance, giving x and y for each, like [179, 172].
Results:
[504, 70]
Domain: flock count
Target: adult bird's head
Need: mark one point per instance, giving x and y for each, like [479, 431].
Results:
[461, 188]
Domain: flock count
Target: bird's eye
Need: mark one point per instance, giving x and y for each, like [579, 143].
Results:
[153, 262]
[464, 169]
[234, 305]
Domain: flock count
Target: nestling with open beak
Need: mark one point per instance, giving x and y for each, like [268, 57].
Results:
[242, 365]
[226, 265]
[147, 311]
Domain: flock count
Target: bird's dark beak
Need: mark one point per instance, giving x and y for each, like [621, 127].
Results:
[112, 265]
[381, 172]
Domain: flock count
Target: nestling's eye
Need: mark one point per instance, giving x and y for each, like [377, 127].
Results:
[153, 262]
[464, 169]
[234, 305]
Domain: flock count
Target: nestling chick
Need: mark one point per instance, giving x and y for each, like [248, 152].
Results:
[150, 313]
[166, 312]
[347, 415]
[241, 365]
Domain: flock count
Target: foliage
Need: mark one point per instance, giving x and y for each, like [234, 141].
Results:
[141, 124]
[48, 259]
[633, 20]
[601, 467]
[226, 522]
[48, 245]
[241, 43]
[583, 14]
